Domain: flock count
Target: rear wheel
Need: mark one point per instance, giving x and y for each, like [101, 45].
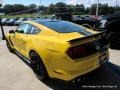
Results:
[38, 66]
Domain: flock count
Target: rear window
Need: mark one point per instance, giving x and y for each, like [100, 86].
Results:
[63, 26]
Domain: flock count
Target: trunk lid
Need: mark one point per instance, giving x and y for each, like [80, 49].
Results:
[87, 35]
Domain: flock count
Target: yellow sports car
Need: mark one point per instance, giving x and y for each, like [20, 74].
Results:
[59, 49]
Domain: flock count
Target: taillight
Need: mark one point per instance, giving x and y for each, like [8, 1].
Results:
[84, 50]
[77, 52]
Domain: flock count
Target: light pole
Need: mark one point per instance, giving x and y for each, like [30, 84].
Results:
[97, 8]
[116, 3]
[1, 26]
[3, 35]
[40, 11]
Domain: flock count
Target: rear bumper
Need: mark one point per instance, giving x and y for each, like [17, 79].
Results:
[81, 78]
[68, 70]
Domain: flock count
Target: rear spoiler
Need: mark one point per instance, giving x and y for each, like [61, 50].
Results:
[102, 34]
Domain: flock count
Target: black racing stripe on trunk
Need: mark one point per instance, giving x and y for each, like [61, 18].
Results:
[85, 33]
[83, 38]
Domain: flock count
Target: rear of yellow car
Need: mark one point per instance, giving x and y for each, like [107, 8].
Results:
[73, 57]
[75, 53]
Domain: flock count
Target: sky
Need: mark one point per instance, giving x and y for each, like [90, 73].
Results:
[87, 3]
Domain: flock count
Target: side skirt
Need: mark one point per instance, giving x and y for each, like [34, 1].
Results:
[23, 58]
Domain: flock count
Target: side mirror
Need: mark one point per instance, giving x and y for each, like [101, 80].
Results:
[11, 31]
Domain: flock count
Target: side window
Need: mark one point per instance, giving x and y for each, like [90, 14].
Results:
[29, 29]
[22, 28]
[32, 30]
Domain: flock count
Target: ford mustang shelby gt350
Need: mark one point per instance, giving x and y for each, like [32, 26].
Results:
[59, 49]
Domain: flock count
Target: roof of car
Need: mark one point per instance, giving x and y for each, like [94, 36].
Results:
[63, 26]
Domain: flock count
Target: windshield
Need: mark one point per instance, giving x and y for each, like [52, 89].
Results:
[12, 20]
[4, 19]
[19, 20]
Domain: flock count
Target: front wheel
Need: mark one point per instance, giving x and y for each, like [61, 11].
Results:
[38, 66]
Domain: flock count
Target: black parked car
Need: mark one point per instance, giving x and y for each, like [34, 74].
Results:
[78, 20]
[112, 26]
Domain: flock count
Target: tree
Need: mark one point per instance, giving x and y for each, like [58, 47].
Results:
[32, 8]
[111, 10]
[8, 8]
[87, 10]
[80, 9]
[51, 8]
[26, 7]
[117, 9]
[42, 10]
[1, 10]
[60, 7]
[0, 5]
[18, 8]
[103, 10]
[70, 8]
[93, 9]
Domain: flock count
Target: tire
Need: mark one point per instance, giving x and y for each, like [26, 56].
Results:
[38, 66]
[9, 47]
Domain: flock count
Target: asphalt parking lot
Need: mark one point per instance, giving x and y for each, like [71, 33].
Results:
[16, 74]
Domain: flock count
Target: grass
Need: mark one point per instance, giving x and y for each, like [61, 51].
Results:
[25, 15]
[28, 15]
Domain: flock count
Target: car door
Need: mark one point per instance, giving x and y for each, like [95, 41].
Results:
[24, 39]
[15, 38]
[19, 34]
[29, 34]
